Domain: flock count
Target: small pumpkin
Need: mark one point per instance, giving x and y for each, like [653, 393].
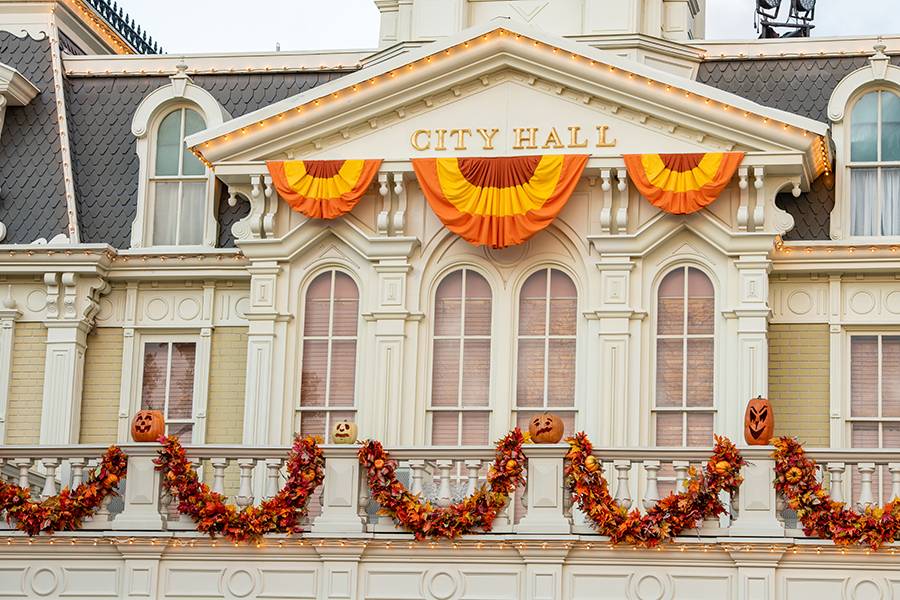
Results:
[511, 465]
[590, 463]
[794, 475]
[344, 432]
[722, 467]
[147, 425]
[759, 422]
[546, 429]
[378, 463]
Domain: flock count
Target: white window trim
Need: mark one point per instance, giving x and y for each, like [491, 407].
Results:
[180, 93]
[878, 75]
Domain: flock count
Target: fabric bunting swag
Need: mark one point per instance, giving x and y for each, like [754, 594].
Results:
[501, 201]
[322, 189]
[682, 183]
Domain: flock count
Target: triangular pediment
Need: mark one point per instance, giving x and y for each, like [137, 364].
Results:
[540, 93]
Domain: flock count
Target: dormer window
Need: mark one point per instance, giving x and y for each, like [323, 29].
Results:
[179, 182]
[875, 165]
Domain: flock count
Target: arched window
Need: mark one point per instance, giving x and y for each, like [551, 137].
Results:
[461, 372]
[328, 374]
[875, 165]
[684, 409]
[178, 184]
[545, 366]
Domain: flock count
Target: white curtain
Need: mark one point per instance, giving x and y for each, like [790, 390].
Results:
[890, 201]
[864, 202]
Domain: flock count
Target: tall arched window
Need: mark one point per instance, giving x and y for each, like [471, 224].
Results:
[461, 372]
[328, 375]
[545, 367]
[685, 350]
[875, 165]
[179, 182]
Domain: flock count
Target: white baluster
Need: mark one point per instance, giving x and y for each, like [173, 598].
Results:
[50, 465]
[681, 468]
[102, 514]
[651, 497]
[245, 493]
[444, 466]
[473, 467]
[23, 464]
[165, 500]
[894, 468]
[272, 465]
[219, 465]
[623, 494]
[77, 465]
[865, 494]
[418, 471]
[364, 497]
[836, 476]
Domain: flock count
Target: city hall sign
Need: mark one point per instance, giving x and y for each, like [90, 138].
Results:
[524, 138]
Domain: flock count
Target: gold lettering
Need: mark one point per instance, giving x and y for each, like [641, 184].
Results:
[440, 139]
[573, 143]
[460, 137]
[531, 138]
[603, 143]
[414, 140]
[488, 145]
[553, 139]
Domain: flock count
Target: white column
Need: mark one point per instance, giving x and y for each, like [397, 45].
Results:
[340, 498]
[756, 499]
[341, 570]
[544, 492]
[142, 495]
[543, 571]
[8, 317]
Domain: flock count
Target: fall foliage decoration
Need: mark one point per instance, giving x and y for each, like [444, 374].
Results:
[423, 520]
[281, 514]
[821, 516]
[66, 510]
[668, 517]
[147, 426]
[344, 432]
[546, 429]
[759, 422]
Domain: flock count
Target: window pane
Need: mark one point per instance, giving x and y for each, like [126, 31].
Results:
[669, 372]
[477, 370]
[561, 373]
[312, 423]
[890, 376]
[530, 373]
[863, 201]
[699, 372]
[183, 431]
[346, 306]
[193, 207]
[445, 428]
[478, 316]
[699, 429]
[316, 318]
[864, 129]
[864, 376]
[193, 123]
[475, 428]
[153, 386]
[672, 285]
[343, 373]
[168, 143]
[315, 370]
[563, 304]
[701, 304]
[671, 316]
[864, 435]
[445, 373]
[533, 304]
[669, 429]
[890, 126]
[165, 213]
[890, 201]
[447, 316]
[181, 381]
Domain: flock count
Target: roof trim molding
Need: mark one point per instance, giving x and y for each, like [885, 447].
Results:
[879, 72]
[15, 89]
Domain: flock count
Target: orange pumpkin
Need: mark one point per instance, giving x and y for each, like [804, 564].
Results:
[546, 429]
[759, 422]
[147, 425]
[511, 465]
[722, 467]
[590, 463]
[794, 475]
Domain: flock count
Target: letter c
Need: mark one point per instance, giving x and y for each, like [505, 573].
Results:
[414, 140]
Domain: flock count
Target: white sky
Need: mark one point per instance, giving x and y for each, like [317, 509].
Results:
[194, 26]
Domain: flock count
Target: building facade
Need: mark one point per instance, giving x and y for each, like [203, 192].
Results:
[149, 258]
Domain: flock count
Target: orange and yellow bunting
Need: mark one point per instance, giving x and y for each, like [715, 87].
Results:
[322, 189]
[682, 183]
[501, 201]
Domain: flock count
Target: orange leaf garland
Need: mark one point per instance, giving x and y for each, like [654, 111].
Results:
[498, 201]
[682, 183]
[322, 189]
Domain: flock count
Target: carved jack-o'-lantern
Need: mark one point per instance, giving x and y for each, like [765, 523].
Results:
[344, 432]
[759, 422]
[546, 429]
[147, 425]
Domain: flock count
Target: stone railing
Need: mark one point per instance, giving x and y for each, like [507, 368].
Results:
[343, 507]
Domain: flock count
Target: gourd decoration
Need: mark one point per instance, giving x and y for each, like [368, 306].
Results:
[546, 429]
[344, 432]
[147, 426]
[759, 422]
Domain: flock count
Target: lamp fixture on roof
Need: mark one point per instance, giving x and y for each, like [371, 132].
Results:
[798, 22]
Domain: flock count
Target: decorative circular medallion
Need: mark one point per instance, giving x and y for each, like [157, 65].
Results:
[867, 590]
[442, 585]
[36, 300]
[650, 587]
[188, 308]
[241, 583]
[862, 302]
[44, 582]
[507, 257]
[800, 302]
[157, 309]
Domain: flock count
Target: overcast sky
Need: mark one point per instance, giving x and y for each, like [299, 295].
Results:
[192, 26]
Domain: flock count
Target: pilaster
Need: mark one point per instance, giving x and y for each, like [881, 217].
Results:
[543, 571]
[757, 506]
[341, 570]
[544, 492]
[8, 317]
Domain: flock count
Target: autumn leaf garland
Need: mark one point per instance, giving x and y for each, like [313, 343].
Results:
[425, 521]
[667, 518]
[281, 514]
[66, 510]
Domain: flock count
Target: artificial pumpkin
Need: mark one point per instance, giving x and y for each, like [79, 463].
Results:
[591, 463]
[147, 426]
[546, 429]
[759, 422]
[344, 432]
[794, 475]
[722, 467]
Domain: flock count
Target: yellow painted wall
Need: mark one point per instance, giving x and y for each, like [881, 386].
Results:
[27, 384]
[102, 384]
